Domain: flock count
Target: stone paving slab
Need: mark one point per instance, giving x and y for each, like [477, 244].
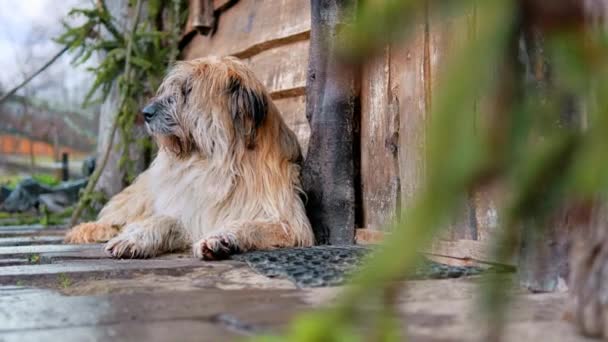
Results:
[184, 331]
[24, 251]
[11, 231]
[98, 269]
[30, 230]
[30, 240]
[84, 254]
[432, 310]
[14, 262]
[30, 227]
[242, 311]
[75, 293]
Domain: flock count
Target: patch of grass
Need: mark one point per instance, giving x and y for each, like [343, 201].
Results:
[20, 220]
[45, 218]
[20, 283]
[5, 215]
[42, 178]
[56, 218]
[64, 281]
[34, 258]
[10, 181]
[46, 179]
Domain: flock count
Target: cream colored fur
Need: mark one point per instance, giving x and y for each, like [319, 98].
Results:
[223, 181]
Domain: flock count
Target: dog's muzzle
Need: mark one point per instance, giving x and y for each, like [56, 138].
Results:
[150, 111]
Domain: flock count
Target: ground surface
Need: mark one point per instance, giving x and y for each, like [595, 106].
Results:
[55, 292]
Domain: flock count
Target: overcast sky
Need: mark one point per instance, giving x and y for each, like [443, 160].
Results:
[27, 29]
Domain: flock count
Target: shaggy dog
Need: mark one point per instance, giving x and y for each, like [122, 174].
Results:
[226, 178]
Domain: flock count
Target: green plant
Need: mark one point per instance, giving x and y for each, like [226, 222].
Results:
[34, 258]
[135, 62]
[64, 281]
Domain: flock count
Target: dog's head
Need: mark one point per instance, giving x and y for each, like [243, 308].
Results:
[207, 105]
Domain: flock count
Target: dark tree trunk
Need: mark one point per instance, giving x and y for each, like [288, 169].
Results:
[588, 281]
[112, 179]
[329, 171]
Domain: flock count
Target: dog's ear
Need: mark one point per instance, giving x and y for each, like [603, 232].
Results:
[248, 108]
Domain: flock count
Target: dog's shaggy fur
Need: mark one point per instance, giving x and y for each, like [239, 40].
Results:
[226, 178]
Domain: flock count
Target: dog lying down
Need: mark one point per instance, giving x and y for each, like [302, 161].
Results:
[226, 178]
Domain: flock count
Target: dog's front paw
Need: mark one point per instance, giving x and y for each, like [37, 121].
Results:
[216, 247]
[129, 245]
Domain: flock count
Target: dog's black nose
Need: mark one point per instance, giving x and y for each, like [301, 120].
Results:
[149, 112]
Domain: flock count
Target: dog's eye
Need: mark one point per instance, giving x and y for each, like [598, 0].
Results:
[186, 88]
[170, 100]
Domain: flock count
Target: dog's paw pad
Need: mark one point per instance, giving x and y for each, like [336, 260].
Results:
[215, 247]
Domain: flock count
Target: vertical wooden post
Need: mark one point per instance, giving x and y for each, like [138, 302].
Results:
[65, 170]
[331, 107]
[543, 256]
[588, 276]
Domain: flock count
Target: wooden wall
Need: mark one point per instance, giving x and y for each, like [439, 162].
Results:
[272, 36]
[396, 95]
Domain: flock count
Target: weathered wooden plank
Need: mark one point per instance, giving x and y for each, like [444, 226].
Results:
[283, 69]
[487, 201]
[293, 110]
[456, 252]
[379, 145]
[30, 240]
[479, 251]
[365, 236]
[24, 251]
[446, 34]
[407, 86]
[81, 269]
[250, 27]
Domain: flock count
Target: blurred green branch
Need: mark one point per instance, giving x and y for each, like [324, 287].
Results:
[523, 142]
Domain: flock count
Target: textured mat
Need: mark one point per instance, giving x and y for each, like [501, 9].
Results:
[331, 265]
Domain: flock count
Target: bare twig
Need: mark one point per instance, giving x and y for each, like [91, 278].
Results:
[101, 166]
[32, 76]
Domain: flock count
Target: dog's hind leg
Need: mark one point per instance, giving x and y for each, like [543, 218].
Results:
[91, 232]
[148, 238]
[130, 205]
[246, 236]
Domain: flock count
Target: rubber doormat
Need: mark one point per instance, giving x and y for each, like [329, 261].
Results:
[331, 265]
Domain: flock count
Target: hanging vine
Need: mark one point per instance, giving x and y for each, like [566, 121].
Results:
[133, 61]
